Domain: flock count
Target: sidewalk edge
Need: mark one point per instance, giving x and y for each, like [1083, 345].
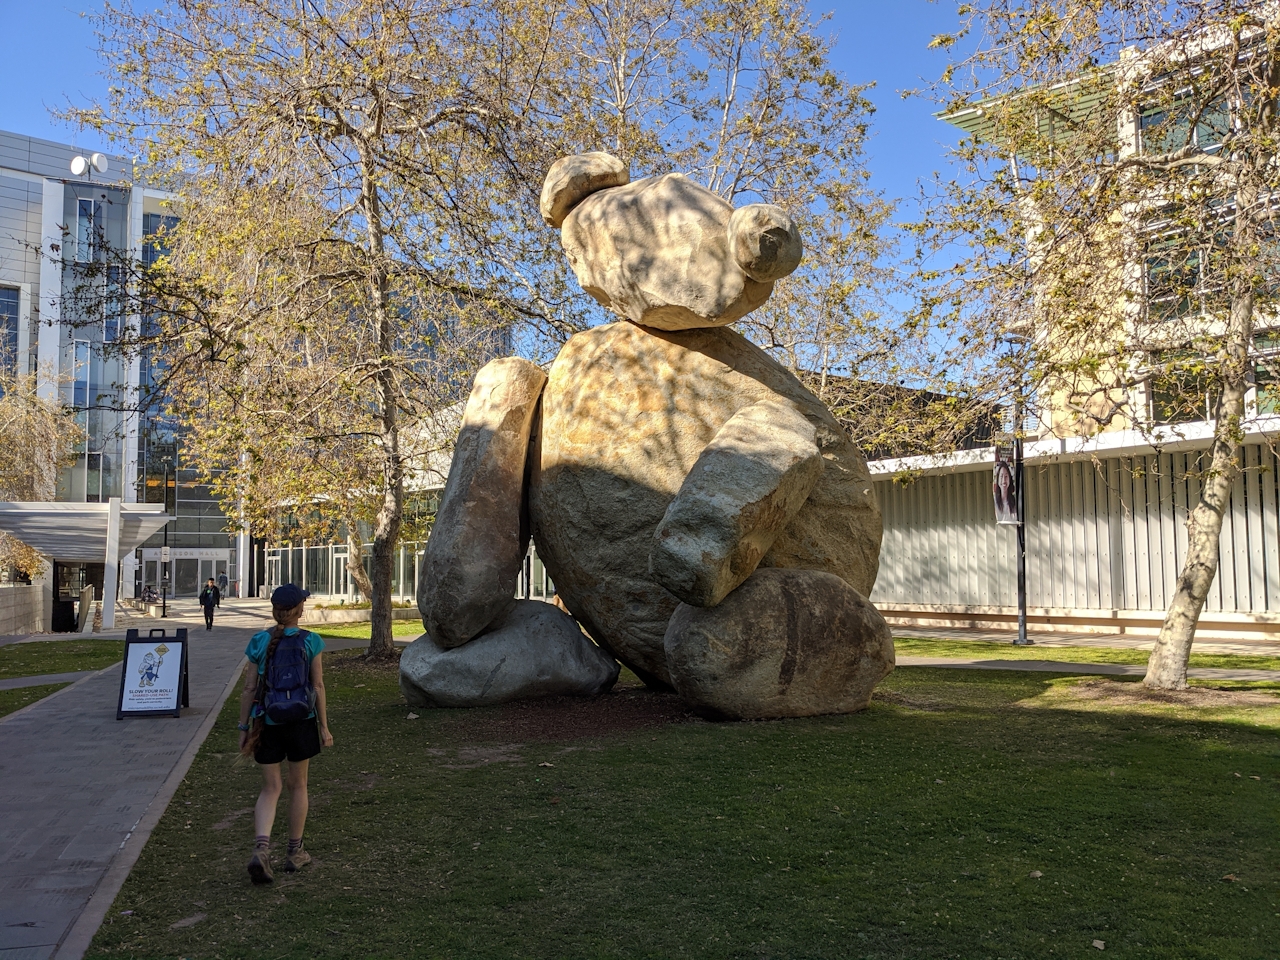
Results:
[77, 940]
[57, 693]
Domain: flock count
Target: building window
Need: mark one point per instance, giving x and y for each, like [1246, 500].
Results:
[88, 231]
[1185, 391]
[1173, 281]
[155, 226]
[10, 299]
[1168, 128]
[113, 305]
[82, 364]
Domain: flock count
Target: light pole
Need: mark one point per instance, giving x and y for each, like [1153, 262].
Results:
[1013, 342]
[164, 552]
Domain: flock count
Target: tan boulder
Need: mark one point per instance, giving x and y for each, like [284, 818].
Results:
[625, 415]
[572, 179]
[656, 252]
[787, 643]
[532, 650]
[764, 241]
[750, 481]
[473, 557]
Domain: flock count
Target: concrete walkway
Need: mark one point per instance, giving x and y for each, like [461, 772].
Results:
[81, 791]
[1104, 669]
[17, 683]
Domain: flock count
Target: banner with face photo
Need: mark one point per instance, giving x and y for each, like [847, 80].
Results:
[1004, 483]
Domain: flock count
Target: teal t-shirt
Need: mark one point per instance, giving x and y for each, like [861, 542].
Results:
[256, 651]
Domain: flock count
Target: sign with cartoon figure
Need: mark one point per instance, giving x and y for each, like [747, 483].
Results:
[154, 678]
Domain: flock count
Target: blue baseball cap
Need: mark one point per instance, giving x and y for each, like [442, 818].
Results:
[288, 596]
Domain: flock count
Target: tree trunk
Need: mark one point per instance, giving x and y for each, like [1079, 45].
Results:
[1167, 666]
[355, 564]
[386, 533]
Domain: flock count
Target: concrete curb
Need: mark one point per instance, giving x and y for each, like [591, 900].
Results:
[44, 679]
[77, 940]
[57, 693]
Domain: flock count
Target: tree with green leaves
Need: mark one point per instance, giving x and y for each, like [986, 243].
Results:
[357, 184]
[1107, 247]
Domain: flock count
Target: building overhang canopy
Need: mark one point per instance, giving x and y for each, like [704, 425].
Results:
[77, 532]
[1057, 109]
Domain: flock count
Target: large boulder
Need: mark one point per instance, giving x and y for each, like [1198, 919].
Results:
[533, 650]
[626, 413]
[477, 545]
[787, 643]
[657, 252]
[747, 485]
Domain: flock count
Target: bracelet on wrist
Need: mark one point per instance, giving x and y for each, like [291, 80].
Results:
[243, 726]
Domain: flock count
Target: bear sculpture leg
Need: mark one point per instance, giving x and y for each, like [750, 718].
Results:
[482, 646]
[786, 643]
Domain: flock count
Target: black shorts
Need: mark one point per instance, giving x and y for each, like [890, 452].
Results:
[295, 741]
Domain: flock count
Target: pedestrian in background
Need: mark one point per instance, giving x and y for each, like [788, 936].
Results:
[283, 717]
[210, 597]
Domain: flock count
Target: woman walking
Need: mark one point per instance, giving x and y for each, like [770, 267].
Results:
[283, 717]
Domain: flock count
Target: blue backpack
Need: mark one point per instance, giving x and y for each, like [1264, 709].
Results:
[289, 696]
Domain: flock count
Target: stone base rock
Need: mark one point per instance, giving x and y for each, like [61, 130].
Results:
[533, 650]
[473, 558]
[787, 643]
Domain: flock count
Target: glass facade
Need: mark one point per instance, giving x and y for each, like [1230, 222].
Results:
[10, 300]
[92, 308]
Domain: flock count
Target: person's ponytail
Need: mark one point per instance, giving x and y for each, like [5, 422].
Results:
[257, 716]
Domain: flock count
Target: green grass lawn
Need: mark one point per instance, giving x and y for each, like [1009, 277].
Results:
[57, 656]
[911, 647]
[360, 631]
[622, 827]
[11, 700]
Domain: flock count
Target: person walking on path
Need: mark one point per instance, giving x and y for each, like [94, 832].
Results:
[283, 717]
[210, 597]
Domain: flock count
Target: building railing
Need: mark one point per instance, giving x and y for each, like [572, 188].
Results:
[321, 569]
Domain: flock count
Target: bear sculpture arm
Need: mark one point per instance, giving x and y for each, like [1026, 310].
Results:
[746, 486]
[478, 542]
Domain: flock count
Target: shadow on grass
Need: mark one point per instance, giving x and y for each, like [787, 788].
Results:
[909, 830]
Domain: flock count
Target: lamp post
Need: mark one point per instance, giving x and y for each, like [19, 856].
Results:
[1023, 640]
[1013, 342]
[164, 551]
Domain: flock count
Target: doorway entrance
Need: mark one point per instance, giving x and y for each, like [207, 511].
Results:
[341, 582]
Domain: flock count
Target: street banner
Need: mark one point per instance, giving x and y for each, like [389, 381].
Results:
[1004, 482]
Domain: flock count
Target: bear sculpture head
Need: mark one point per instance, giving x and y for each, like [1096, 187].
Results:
[664, 252]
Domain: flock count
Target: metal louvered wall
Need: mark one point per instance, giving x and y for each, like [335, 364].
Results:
[1105, 535]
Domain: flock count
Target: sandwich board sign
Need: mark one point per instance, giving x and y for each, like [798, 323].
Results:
[153, 679]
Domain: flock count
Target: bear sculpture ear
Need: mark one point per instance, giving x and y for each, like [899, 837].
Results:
[764, 241]
[572, 179]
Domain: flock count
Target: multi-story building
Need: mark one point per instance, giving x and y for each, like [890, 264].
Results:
[1109, 487]
[58, 231]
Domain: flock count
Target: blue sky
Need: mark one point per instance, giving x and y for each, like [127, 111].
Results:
[50, 57]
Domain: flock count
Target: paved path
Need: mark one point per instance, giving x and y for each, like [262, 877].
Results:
[76, 786]
[1124, 641]
[1059, 666]
[15, 683]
